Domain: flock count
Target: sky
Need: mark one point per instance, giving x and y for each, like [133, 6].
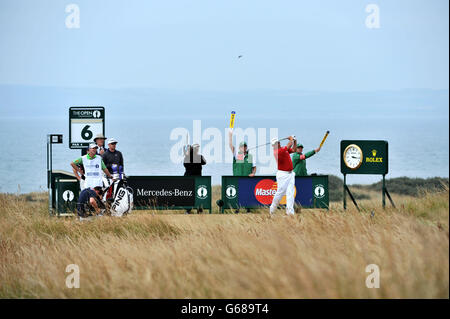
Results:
[191, 45]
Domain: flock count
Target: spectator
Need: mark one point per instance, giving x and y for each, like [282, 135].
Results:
[113, 159]
[100, 141]
[193, 163]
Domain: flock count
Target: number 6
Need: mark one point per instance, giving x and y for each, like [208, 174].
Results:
[85, 133]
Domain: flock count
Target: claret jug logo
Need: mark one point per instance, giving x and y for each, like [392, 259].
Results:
[265, 191]
[319, 191]
[374, 159]
[202, 192]
[231, 191]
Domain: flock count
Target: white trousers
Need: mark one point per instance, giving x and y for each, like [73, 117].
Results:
[286, 186]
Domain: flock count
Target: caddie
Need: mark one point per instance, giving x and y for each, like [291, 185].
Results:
[93, 167]
[285, 175]
[88, 202]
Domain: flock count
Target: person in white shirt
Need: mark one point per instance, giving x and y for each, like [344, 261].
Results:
[93, 166]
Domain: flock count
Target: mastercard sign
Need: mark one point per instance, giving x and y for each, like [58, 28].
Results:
[265, 191]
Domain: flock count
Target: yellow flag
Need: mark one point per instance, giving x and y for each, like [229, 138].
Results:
[233, 115]
[324, 138]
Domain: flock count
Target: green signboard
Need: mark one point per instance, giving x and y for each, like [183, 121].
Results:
[254, 192]
[63, 193]
[85, 122]
[364, 157]
[171, 192]
[67, 192]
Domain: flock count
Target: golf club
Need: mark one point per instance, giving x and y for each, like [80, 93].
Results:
[285, 138]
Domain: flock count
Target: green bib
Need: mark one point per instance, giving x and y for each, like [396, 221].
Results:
[242, 167]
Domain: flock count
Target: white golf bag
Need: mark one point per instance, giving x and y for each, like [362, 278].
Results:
[118, 197]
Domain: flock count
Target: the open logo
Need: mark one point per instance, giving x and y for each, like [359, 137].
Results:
[68, 196]
[202, 192]
[319, 191]
[230, 192]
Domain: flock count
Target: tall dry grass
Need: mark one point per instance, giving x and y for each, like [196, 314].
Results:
[316, 254]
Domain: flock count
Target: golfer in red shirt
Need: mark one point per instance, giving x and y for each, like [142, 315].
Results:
[285, 175]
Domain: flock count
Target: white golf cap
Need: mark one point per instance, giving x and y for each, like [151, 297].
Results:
[111, 140]
[274, 141]
[93, 145]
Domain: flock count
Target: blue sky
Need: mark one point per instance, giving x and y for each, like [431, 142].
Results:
[301, 45]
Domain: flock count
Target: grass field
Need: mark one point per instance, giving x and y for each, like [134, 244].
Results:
[152, 254]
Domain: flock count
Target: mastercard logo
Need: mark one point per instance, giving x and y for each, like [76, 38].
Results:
[265, 191]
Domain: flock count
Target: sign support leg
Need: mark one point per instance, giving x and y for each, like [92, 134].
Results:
[389, 197]
[48, 163]
[49, 174]
[384, 192]
[351, 197]
[345, 194]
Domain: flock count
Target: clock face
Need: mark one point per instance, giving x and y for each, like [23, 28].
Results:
[353, 156]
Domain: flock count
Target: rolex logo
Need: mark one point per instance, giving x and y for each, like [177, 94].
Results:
[374, 153]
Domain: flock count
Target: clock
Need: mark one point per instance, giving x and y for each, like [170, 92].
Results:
[353, 156]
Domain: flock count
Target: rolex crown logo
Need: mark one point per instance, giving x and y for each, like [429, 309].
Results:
[374, 153]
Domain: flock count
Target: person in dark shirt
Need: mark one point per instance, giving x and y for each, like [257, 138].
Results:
[100, 141]
[193, 161]
[88, 201]
[113, 158]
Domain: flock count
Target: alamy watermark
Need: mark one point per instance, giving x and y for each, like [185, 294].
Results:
[214, 144]
[73, 279]
[73, 18]
[373, 19]
[373, 279]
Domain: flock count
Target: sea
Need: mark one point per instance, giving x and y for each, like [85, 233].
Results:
[418, 145]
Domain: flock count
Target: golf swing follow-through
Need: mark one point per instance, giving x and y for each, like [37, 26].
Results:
[285, 174]
[287, 167]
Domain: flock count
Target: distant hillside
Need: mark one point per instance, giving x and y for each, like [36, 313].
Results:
[36, 101]
[400, 185]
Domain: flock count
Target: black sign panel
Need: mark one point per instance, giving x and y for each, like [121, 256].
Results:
[364, 157]
[56, 138]
[161, 191]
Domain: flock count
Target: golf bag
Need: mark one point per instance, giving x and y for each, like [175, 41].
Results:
[118, 197]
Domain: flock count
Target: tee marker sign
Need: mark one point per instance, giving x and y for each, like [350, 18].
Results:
[85, 122]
